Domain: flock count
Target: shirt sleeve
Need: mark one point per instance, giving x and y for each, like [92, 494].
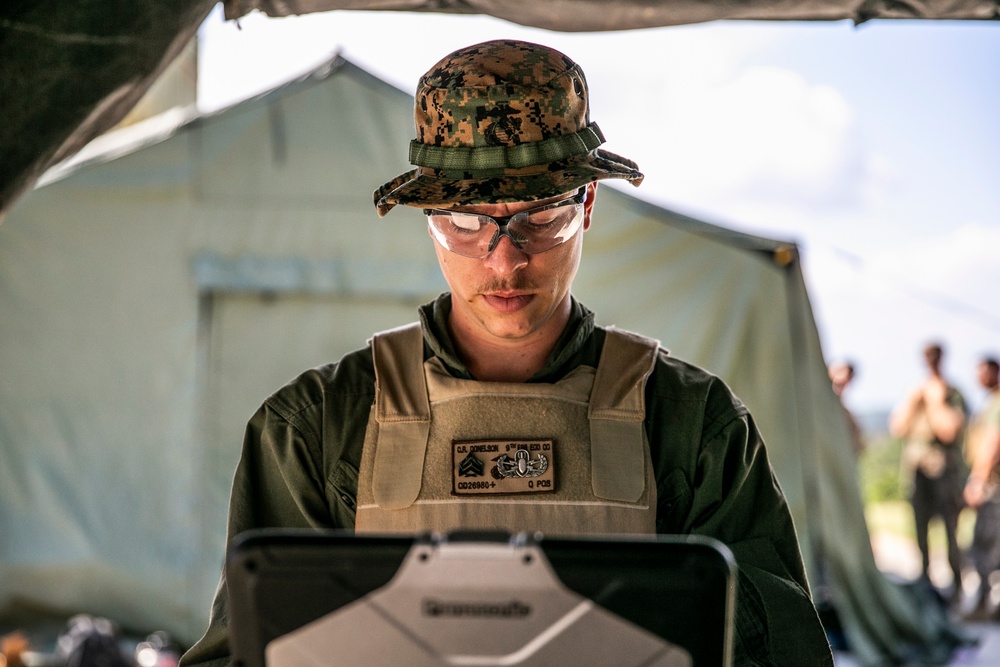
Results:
[278, 483]
[297, 469]
[741, 504]
[715, 480]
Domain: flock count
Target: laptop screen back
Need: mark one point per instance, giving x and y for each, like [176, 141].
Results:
[328, 598]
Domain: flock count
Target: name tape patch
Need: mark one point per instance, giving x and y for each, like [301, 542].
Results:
[502, 466]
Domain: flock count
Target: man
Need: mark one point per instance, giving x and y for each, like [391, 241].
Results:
[636, 441]
[981, 489]
[931, 419]
[841, 375]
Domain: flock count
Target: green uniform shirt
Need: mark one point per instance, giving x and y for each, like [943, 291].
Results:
[299, 468]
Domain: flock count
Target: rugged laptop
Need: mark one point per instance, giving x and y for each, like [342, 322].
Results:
[307, 598]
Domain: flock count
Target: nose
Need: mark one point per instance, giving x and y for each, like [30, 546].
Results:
[506, 257]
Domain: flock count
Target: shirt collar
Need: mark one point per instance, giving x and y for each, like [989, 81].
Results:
[434, 321]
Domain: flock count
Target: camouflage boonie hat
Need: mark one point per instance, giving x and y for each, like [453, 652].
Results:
[502, 121]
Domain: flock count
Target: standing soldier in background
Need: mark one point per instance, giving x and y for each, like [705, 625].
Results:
[841, 375]
[931, 419]
[981, 489]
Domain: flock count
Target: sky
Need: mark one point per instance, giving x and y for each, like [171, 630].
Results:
[876, 148]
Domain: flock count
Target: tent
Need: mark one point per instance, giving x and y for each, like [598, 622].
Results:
[72, 70]
[156, 288]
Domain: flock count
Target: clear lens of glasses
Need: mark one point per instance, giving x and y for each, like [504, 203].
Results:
[533, 231]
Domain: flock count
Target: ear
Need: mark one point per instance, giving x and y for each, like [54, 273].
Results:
[588, 206]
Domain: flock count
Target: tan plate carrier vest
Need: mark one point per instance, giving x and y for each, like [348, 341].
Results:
[584, 433]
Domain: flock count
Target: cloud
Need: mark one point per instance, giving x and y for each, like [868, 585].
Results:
[959, 267]
[765, 136]
[952, 275]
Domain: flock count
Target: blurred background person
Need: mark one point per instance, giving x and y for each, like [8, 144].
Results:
[981, 492]
[841, 374]
[931, 421]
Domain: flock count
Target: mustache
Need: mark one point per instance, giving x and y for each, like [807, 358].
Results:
[515, 283]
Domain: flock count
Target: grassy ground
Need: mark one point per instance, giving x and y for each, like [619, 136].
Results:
[896, 517]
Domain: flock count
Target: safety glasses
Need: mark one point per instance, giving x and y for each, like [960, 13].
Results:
[533, 231]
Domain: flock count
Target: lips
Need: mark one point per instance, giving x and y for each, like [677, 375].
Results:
[509, 303]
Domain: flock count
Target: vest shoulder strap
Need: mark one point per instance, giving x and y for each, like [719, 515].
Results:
[403, 413]
[617, 410]
[398, 356]
[627, 359]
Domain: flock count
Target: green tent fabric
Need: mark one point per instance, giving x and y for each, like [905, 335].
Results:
[161, 284]
[587, 15]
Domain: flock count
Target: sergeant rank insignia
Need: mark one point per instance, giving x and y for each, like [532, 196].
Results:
[514, 466]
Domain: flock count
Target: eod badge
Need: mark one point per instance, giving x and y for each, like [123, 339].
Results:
[502, 466]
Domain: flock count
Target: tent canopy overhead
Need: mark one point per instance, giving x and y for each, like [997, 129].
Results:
[71, 71]
[598, 15]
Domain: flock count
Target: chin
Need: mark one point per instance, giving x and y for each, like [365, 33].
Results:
[512, 331]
